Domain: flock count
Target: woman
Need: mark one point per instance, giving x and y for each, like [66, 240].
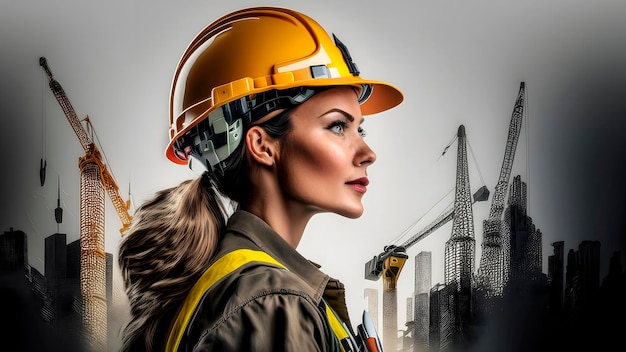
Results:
[271, 108]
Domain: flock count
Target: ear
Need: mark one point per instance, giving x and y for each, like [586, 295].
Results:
[260, 146]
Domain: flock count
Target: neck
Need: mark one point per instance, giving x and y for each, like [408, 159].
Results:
[287, 219]
[287, 227]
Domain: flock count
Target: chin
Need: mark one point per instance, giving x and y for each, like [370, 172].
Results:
[352, 213]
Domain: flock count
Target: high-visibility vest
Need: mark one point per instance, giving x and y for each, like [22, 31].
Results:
[224, 266]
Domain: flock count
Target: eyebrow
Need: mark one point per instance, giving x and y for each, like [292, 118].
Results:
[344, 113]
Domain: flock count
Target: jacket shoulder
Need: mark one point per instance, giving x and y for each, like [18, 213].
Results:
[273, 321]
[259, 308]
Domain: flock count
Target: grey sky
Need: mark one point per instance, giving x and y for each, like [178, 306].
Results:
[458, 62]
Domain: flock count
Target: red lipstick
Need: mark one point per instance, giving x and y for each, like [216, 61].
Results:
[359, 184]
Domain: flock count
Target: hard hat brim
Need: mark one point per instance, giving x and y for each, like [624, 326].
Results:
[384, 96]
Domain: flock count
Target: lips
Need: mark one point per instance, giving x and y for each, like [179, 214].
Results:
[359, 185]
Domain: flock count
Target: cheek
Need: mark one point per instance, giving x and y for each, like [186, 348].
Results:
[315, 158]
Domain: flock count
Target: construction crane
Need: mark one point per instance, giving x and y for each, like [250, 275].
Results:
[390, 262]
[95, 179]
[492, 269]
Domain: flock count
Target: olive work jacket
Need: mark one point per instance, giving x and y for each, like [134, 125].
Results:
[264, 308]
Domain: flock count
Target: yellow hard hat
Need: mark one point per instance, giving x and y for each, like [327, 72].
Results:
[234, 63]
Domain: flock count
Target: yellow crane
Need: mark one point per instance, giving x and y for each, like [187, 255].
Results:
[95, 179]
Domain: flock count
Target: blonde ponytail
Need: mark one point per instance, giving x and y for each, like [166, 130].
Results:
[166, 249]
[173, 237]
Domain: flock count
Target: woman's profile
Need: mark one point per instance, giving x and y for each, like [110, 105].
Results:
[269, 107]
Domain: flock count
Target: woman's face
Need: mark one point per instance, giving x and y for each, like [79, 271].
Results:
[323, 160]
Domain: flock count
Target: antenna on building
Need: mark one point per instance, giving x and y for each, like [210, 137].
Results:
[58, 212]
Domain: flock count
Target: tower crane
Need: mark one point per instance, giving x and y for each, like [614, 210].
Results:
[95, 179]
[492, 271]
[390, 262]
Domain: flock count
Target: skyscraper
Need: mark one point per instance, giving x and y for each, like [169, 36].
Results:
[421, 301]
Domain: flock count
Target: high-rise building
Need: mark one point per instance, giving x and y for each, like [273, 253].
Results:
[61, 305]
[371, 302]
[589, 259]
[73, 260]
[444, 319]
[109, 278]
[524, 240]
[13, 250]
[73, 276]
[582, 279]
[55, 258]
[409, 309]
[421, 301]
[555, 276]
[55, 270]
[423, 272]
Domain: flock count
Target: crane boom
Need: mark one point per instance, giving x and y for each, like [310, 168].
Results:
[497, 201]
[492, 271]
[480, 195]
[67, 108]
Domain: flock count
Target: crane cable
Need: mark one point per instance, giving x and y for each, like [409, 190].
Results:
[43, 162]
[96, 140]
[131, 200]
[445, 150]
[43, 114]
[399, 238]
[480, 174]
[527, 125]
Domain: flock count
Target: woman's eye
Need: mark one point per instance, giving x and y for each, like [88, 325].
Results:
[362, 132]
[338, 127]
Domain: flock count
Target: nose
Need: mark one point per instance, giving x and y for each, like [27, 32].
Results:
[365, 156]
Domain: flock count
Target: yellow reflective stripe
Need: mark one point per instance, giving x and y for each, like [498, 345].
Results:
[336, 326]
[222, 267]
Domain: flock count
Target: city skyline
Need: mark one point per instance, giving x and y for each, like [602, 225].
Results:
[59, 269]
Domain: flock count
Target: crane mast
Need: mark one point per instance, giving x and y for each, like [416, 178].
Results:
[459, 252]
[492, 270]
[95, 179]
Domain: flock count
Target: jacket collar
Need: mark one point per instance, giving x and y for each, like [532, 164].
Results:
[263, 236]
